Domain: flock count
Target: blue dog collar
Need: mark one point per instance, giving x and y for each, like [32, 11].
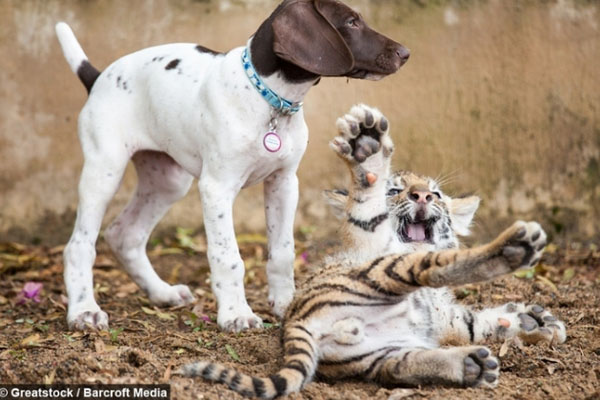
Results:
[279, 104]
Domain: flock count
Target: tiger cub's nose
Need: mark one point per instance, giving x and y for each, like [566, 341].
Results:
[420, 195]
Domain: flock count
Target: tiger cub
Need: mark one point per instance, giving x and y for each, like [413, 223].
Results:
[380, 311]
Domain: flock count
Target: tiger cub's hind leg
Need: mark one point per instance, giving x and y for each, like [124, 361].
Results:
[531, 323]
[469, 366]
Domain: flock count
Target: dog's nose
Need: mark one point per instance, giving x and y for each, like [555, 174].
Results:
[403, 53]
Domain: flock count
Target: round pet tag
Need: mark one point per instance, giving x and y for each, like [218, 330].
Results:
[272, 142]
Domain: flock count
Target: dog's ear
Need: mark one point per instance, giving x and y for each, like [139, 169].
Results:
[306, 38]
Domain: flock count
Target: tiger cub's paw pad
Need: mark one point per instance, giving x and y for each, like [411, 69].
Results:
[539, 325]
[525, 246]
[481, 369]
[362, 133]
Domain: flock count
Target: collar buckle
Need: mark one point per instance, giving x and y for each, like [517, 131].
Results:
[280, 105]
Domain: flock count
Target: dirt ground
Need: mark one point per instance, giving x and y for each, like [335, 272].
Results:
[146, 344]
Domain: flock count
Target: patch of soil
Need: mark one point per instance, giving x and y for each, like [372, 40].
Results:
[146, 344]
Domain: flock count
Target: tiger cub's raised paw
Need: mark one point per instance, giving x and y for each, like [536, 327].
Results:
[364, 143]
[523, 245]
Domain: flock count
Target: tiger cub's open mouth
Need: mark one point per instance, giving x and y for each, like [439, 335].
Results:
[417, 231]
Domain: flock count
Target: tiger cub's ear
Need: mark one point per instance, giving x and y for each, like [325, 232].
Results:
[337, 199]
[462, 211]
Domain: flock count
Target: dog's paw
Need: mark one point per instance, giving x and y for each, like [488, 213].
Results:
[170, 296]
[280, 299]
[92, 318]
[538, 325]
[237, 319]
[523, 245]
[481, 369]
[363, 133]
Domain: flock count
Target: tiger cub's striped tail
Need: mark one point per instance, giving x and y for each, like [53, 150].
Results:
[299, 366]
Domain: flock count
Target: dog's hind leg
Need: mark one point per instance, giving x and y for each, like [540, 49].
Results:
[100, 178]
[161, 182]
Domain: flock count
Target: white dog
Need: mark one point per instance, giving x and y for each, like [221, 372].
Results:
[181, 111]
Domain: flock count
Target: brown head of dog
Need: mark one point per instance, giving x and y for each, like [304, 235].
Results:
[291, 41]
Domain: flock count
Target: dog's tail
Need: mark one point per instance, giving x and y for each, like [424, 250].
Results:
[75, 56]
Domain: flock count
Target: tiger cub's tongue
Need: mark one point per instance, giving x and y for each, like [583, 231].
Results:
[416, 232]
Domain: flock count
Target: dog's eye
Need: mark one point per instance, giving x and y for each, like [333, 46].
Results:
[352, 22]
[394, 191]
[438, 194]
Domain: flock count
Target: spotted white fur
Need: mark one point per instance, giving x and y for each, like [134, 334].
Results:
[184, 113]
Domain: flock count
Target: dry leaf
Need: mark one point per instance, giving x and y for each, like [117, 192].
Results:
[251, 238]
[103, 261]
[592, 378]
[504, 348]
[165, 316]
[99, 346]
[54, 316]
[126, 290]
[110, 347]
[553, 360]
[548, 283]
[398, 394]
[101, 289]
[162, 315]
[161, 251]
[167, 374]
[49, 379]
[57, 304]
[4, 322]
[198, 309]
[232, 353]
[568, 274]
[31, 341]
[143, 300]
[148, 311]
[56, 250]
[145, 324]
[174, 275]
[518, 343]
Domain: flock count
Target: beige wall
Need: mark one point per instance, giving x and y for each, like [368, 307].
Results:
[500, 97]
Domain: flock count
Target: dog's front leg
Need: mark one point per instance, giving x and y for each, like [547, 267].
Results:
[281, 200]
[226, 265]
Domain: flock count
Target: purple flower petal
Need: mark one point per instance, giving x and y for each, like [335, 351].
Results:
[206, 318]
[31, 290]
